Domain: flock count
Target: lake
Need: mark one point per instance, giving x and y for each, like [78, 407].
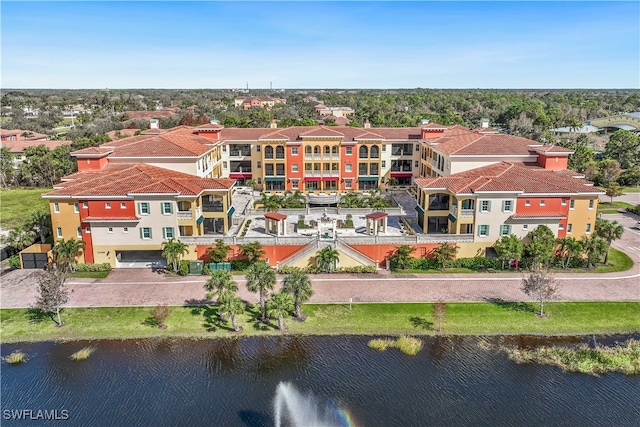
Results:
[453, 381]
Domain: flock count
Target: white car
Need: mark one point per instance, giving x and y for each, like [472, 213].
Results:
[637, 225]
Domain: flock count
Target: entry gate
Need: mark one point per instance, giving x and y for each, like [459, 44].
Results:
[34, 260]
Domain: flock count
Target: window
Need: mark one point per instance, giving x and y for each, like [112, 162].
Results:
[125, 230]
[56, 207]
[483, 230]
[258, 148]
[563, 202]
[167, 208]
[384, 163]
[588, 229]
[295, 184]
[348, 167]
[560, 226]
[145, 233]
[294, 168]
[525, 226]
[224, 165]
[415, 164]
[505, 230]
[569, 227]
[527, 202]
[384, 148]
[259, 165]
[167, 233]
[417, 147]
[294, 151]
[59, 232]
[123, 206]
[85, 205]
[348, 151]
[348, 184]
[76, 207]
[542, 202]
[485, 206]
[143, 208]
[79, 233]
[110, 230]
[591, 203]
[572, 204]
[507, 206]
[107, 205]
[224, 148]
[87, 230]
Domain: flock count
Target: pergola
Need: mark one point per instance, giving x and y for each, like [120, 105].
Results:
[376, 223]
[275, 223]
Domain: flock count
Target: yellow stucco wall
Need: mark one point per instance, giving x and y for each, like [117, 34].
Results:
[581, 215]
[67, 219]
[343, 261]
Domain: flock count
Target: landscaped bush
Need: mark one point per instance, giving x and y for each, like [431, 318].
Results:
[363, 269]
[478, 263]
[92, 267]
[14, 261]
[369, 269]
[635, 209]
[184, 268]
[302, 225]
[240, 265]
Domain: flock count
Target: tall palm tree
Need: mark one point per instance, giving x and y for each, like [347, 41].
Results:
[610, 231]
[231, 308]
[594, 247]
[351, 200]
[221, 284]
[252, 251]
[261, 278]
[569, 247]
[327, 258]
[19, 239]
[173, 250]
[66, 252]
[40, 222]
[298, 285]
[279, 306]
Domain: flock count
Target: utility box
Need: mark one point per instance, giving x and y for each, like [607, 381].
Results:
[195, 267]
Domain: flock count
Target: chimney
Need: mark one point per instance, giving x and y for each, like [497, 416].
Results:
[154, 124]
[367, 125]
[273, 124]
[484, 123]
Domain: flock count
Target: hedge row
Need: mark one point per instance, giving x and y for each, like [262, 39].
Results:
[364, 269]
[92, 267]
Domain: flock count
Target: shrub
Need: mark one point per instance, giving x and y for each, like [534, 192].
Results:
[160, 314]
[240, 265]
[16, 357]
[635, 209]
[369, 269]
[183, 269]
[93, 267]
[302, 225]
[14, 261]
[83, 354]
[349, 217]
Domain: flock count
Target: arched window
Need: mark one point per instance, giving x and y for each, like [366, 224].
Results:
[374, 152]
[363, 152]
[279, 152]
[268, 152]
[316, 149]
[307, 149]
[334, 149]
[327, 149]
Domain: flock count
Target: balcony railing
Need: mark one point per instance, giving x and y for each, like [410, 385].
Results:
[239, 153]
[184, 214]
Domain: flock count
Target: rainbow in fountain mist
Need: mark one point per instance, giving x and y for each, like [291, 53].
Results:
[295, 409]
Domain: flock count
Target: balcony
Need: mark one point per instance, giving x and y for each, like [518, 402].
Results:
[239, 153]
[184, 215]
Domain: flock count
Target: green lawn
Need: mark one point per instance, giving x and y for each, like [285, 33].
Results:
[615, 207]
[16, 204]
[631, 189]
[90, 274]
[331, 319]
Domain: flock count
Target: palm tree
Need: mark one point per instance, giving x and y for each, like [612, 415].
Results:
[445, 253]
[40, 222]
[173, 250]
[279, 306]
[351, 200]
[261, 278]
[569, 247]
[400, 257]
[19, 239]
[220, 252]
[230, 308]
[327, 258]
[594, 247]
[298, 285]
[610, 231]
[252, 251]
[66, 252]
[221, 284]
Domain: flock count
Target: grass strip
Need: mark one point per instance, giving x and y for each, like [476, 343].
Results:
[17, 203]
[499, 318]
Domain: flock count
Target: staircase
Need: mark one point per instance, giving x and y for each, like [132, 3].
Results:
[316, 244]
[310, 248]
[358, 256]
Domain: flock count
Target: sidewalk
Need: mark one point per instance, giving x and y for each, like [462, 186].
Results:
[142, 287]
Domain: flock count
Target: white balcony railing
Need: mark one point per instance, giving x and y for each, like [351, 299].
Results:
[184, 214]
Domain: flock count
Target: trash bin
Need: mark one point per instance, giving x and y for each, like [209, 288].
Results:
[226, 266]
[195, 267]
[213, 266]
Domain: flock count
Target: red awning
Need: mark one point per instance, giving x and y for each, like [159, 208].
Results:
[312, 179]
[330, 178]
[240, 175]
[401, 174]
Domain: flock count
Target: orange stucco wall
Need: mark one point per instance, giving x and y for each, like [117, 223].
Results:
[348, 160]
[380, 252]
[272, 252]
[294, 160]
[553, 162]
[92, 164]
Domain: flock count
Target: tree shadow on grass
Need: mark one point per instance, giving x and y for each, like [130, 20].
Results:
[212, 321]
[512, 305]
[36, 315]
[421, 323]
[151, 321]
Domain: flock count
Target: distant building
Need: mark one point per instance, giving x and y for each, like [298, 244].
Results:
[571, 131]
[334, 111]
[249, 102]
[626, 121]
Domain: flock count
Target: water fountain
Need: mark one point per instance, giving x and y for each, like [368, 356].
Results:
[295, 409]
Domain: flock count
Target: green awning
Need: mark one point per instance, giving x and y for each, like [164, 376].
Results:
[200, 220]
[231, 211]
[274, 178]
[368, 178]
[451, 218]
[419, 209]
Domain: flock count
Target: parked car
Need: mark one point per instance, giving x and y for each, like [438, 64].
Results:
[637, 226]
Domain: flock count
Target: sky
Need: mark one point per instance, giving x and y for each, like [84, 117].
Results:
[329, 44]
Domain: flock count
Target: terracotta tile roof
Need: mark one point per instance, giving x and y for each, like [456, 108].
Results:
[124, 133]
[377, 215]
[276, 216]
[509, 177]
[18, 147]
[539, 216]
[124, 180]
[92, 151]
[553, 149]
[147, 115]
[31, 136]
[207, 126]
[369, 135]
